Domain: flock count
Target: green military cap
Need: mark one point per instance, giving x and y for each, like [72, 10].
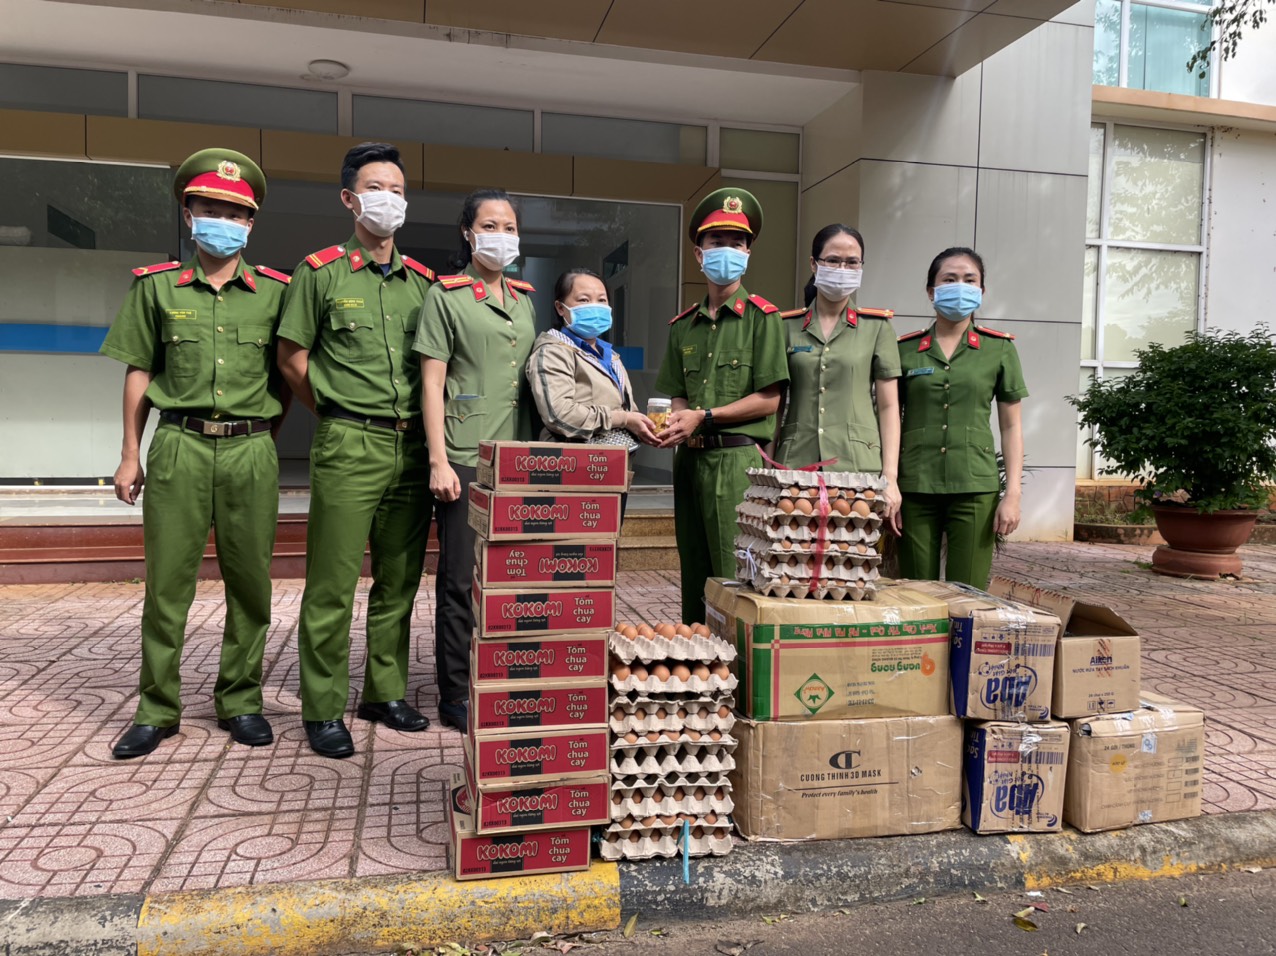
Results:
[727, 208]
[220, 174]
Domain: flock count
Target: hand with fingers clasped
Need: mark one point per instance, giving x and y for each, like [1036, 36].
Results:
[682, 425]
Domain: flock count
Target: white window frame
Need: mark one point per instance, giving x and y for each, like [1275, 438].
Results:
[1185, 6]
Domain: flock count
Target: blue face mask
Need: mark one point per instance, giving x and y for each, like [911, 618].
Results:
[590, 321]
[956, 300]
[221, 238]
[724, 265]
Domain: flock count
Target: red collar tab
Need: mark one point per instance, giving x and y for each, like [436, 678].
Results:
[480, 291]
[972, 338]
[738, 307]
[419, 269]
[357, 260]
[924, 344]
[187, 277]
[321, 258]
[851, 318]
[159, 267]
[810, 313]
[248, 280]
[510, 289]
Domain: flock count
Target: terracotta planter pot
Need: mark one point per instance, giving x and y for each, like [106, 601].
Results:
[1199, 545]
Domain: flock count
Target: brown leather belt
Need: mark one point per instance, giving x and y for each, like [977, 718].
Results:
[216, 429]
[393, 424]
[705, 442]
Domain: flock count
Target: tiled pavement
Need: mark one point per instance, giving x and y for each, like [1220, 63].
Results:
[201, 813]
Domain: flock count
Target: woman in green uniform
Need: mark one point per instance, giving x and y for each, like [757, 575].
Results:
[474, 337]
[839, 356]
[952, 371]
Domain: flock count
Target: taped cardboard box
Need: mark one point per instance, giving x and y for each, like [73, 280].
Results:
[514, 516]
[476, 857]
[552, 466]
[541, 613]
[1014, 776]
[549, 805]
[1097, 658]
[1002, 657]
[540, 755]
[832, 660]
[501, 707]
[834, 779]
[544, 564]
[1139, 767]
[578, 657]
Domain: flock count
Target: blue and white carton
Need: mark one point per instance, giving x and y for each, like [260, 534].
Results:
[1014, 776]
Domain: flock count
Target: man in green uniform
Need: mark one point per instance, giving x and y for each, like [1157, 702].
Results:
[198, 337]
[346, 350]
[724, 368]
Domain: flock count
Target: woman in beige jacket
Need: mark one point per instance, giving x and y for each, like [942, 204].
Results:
[580, 387]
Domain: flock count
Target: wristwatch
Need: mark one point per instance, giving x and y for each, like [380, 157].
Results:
[708, 418]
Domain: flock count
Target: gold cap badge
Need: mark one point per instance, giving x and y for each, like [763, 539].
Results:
[228, 170]
[733, 204]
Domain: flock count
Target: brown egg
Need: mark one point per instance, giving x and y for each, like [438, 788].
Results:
[699, 794]
[697, 833]
[631, 738]
[720, 833]
[639, 672]
[660, 671]
[700, 629]
[724, 711]
[715, 735]
[704, 712]
[673, 734]
[613, 837]
[841, 507]
[862, 548]
[681, 671]
[719, 794]
[861, 508]
[682, 630]
[844, 546]
[795, 525]
[710, 818]
[661, 713]
[653, 736]
[639, 714]
[786, 545]
[692, 734]
[793, 491]
[618, 713]
[680, 794]
[627, 823]
[669, 819]
[870, 494]
[722, 669]
[833, 492]
[628, 631]
[667, 631]
[644, 630]
[635, 837]
[803, 507]
[682, 713]
[701, 671]
[617, 799]
[785, 506]
[783, 579]
[649, 821]
[657, 797]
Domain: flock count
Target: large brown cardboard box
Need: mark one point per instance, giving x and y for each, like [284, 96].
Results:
[1096, 664]
[1001, 655]
[514, 516]
[541, 613]
[513, 807]
[833, 779]
[801, 659]
[1014, 776]
[552, 466]
[1139, 767]
[544, 564]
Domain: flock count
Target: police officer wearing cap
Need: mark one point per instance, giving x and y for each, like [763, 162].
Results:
[346, 350]
[724, 369]
[198, 339]
[948, 473]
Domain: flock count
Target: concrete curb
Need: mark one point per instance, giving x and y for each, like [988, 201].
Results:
[380, 914]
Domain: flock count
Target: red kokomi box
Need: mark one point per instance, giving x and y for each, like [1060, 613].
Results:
[552, 466]
[514, 516]
[531, 613]
[539, 755]
[550, 564]
[477, 857]
[575, 802]
[505, 707]
[577, 657]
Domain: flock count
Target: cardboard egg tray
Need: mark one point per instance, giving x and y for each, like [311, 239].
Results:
[641, 802]
[662, 759]
[764, 521]
[781, 587]
[839, 559]
[696, 686]
[645, 843]
[628, 783]
[702, 714]
[697, 649]
[844, 481]
[766, 495]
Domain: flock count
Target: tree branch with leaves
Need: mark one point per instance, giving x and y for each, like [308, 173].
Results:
[1233, 18]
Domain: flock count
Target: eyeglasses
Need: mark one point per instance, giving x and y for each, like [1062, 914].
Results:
[835, 263]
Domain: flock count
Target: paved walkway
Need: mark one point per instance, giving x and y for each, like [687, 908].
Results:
[201, 813]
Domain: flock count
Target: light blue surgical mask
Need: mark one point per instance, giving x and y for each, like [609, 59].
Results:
[956, 300]
[222, 238]
[590, 321]
[724, 265]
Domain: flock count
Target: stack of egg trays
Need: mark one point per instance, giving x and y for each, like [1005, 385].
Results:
[784, 569]
[669, 773]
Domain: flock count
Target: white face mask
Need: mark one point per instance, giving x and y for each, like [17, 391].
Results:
[382, 213]
[495, 250]
[836, 284]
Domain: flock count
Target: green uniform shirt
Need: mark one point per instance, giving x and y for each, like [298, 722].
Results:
[211, 351]
[358, 326]
[947, 445]
[713, 361]
[830, 411]
[485, 345]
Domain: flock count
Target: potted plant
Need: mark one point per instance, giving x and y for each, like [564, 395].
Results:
[1195, 426]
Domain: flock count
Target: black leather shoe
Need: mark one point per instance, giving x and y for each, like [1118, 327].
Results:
[395, 714]
[455, 714]
[250, 729]
[329, 738]
[141, 739]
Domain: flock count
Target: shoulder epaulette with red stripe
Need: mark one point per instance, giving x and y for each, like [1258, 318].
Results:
[912, 335]
[763, 304]
[876, 313]
[684, 313]
[274, 274]
[317, 260]
[994, 333]
[793, 313]
[158, 267]
[455, 282]
[418, 268]
[521, 285]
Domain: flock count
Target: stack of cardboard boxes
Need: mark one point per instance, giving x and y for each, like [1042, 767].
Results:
[536, 755]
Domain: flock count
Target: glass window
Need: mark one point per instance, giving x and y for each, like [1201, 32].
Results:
[760, 150]
[1107, 43]
[1149, 296]
[1087, 302]
[1156, 190]
[448, 124]
[236, 104]
[1094, 191]
[1085, 456]
[1161, 43]
[623, 139]
[57, 90]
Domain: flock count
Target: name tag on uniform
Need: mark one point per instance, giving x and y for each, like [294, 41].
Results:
[928, 370]
[182, 315]
[347, 303]
[688, 350]
[800, 348]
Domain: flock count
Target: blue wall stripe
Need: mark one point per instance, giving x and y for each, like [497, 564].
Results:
[75, 339]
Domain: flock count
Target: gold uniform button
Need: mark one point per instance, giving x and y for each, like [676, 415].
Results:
[943, 451]
[705, 382]
[512, 364]
[261, 342]
[945, 428]
[352, 325]
[824, 368]
[945, 405]
[946, 386]
[710, 355]
[219, 391]
[713, 328]
[821, 431]
[396, 381]
[391, 348]
[821, 389]
[514, 403]
[220, 329]
[513, 343]
[221, 361]
[735, 362]
[821, 411]
[826, 348]
[217, 414]
[221, 299]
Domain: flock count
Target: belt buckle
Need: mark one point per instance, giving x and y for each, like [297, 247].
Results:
[217, 429]
[402, 424]
[695, 441]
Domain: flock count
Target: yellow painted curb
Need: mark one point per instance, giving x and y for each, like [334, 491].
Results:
[302, 919]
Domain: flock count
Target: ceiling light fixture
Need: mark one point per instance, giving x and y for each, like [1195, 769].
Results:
[327, 70]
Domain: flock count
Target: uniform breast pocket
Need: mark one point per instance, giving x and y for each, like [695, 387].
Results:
[252, 355]
[735, 373]
[183, 350]
[981, 458]
[464, 418]
[352, 332]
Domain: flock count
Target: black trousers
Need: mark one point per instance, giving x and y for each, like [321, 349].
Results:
[453, 616]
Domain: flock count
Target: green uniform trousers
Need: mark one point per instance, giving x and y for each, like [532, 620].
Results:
[967, 522]
[367, 485]
[707, 485]
[194, 482]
